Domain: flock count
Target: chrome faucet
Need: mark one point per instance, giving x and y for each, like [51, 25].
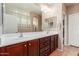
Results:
[47, 31]
[21, 35]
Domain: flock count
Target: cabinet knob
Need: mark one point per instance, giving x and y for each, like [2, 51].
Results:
[29, 44]
[25, 45]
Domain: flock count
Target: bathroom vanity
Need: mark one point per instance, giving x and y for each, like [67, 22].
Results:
[42, 45]
[25, 33]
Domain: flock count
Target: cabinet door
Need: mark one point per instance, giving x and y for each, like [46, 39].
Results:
[3, 51]
[56, 41]
[15, 50]
[52, 43]
[25, 49]
[33, 47]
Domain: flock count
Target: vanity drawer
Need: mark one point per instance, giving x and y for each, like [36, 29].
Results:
[43, 40]
[44, 44]
[45, 51]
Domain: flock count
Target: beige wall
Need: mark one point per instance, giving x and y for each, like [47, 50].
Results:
[64, 9]
[60, 25]
[73, 9]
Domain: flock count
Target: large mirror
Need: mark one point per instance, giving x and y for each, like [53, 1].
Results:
[21, 17]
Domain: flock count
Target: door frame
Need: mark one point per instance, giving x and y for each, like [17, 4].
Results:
[65, 25]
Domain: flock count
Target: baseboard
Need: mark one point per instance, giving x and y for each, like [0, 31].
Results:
[60, 50]
[74, 46]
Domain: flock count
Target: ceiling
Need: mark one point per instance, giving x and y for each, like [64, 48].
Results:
[31, 7]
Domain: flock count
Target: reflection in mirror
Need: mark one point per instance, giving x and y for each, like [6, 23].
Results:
[22, 17]
[51, 23]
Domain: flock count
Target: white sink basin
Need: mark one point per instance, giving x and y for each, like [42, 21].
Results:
[16, 38]
[34, 34]
[9, 40]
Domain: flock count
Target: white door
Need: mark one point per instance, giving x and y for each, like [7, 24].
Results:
[74, 29]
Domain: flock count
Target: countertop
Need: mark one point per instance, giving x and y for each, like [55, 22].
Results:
[9, 39]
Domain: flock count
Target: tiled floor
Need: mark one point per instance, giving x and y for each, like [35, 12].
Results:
[68, 51]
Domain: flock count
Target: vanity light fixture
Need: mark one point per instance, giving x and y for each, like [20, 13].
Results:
[45, 8]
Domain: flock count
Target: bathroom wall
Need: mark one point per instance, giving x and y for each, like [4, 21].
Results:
[60, 25]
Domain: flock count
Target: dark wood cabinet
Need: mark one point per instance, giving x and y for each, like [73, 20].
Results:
[29, 48]
[54, 42]
[15, 50]
[33, 47]
[44, 46]
[37, 47]
[3, 51]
